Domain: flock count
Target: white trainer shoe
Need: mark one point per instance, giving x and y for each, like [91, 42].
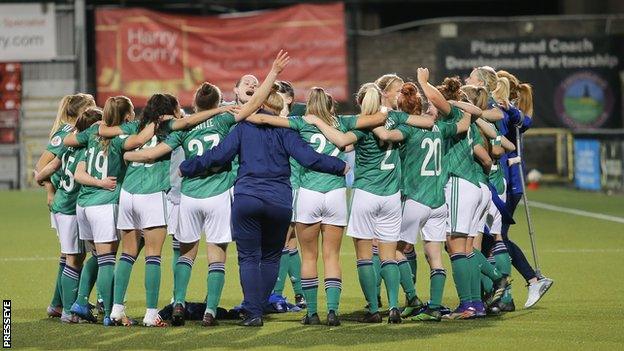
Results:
[69, 318]
[118, 313]
[537, 290]
[152, 319]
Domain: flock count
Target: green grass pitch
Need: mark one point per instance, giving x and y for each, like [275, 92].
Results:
[583, 309]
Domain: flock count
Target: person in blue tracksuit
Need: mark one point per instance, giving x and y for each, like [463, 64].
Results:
[262, 206]
[518, 116]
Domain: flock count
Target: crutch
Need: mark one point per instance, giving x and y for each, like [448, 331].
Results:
[526, 204]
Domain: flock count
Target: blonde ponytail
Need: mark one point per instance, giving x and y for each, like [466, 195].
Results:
[369, 98]
[487, 75]
[478, 96]
[70, 108]
[320, 104]
[501, 93]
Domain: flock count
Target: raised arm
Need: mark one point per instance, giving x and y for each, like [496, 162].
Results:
[217, 156]
[308, 158]
[47, 171]
[137, 140]
[432, 94]
[263, 91]
[148, 155]
[332, 134]
[84, 178]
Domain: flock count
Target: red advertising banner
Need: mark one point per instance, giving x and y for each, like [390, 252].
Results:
[141, 52]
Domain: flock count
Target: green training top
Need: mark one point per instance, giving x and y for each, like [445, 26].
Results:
[423, 178]
[194, 142]
[317, 181]
[146, 178]
[102, 162]
[377, 163]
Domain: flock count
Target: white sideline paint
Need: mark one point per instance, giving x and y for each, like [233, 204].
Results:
[575, 212]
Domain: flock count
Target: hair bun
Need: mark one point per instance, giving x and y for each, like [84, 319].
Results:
[409, 89]
[453, 84]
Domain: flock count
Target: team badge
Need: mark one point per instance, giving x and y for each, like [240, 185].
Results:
[56, 141]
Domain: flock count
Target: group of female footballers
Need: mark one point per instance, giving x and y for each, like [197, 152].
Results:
[431, 163]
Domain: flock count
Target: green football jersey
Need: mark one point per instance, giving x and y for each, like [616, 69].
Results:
[377, 163]
[497, 177]
[55, 145]
[458, 154]
[297, 109]
[477, 139]
[101, 163]
[422, 175]
[146, 178]
[318, 181]
[194, 142]
[67, 188]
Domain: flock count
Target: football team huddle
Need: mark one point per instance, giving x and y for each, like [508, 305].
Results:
[436, 164]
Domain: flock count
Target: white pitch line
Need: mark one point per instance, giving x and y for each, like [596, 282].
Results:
[576, 212]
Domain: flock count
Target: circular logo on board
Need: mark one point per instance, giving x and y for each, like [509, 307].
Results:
[584, 100]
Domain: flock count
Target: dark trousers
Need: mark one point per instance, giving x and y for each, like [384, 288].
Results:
[259, 230]
[518, 259]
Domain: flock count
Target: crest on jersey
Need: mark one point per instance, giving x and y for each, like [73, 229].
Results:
[56, 141]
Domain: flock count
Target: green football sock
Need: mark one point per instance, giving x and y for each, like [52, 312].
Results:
[69, 286]
[122, 277]
[436, 288]
[507, 298]
[176, 253]
[407, 283]
[333, 288]
[215, 282]
[485, 267]
[390, 274]
[486, 283]
[282, 273]
[152, 281]
[475, 277]
[87, 280]
[368, 283]
[377, 269]
[461, 276]
[294, 270]
[411, 258]
[57, 299]
[104, 282]
[501, 258]
[181, 277]
[310, 291]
